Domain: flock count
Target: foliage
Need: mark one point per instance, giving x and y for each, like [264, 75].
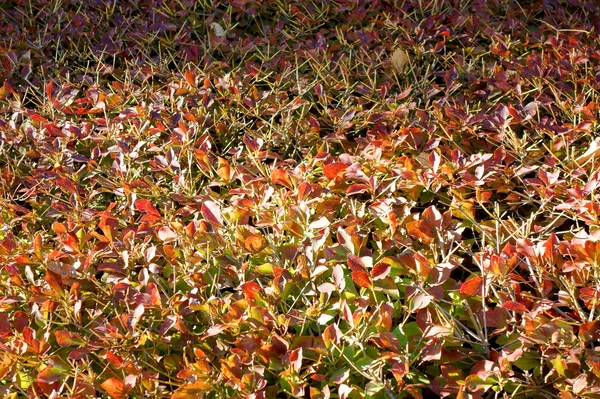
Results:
[326, 199]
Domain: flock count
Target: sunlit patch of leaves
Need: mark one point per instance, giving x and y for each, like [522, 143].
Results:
[309, 199]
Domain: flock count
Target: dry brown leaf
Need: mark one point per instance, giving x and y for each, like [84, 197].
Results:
[399, 59]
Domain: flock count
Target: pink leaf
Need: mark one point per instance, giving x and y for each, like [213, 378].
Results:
[212, 213]
[165, 234]
[338, 277]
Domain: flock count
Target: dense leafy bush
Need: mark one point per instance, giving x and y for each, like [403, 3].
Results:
[327, 199]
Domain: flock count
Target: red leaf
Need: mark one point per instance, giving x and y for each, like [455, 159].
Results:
[146, 206]
[67, 338]
[114, 387]
[296, 359]
[356, 264]
[50, 91]
[381, 270]
[332, 170]
[212, 213]
[515, 306]
[356, 189]
[79, 353]
[362, 279]
[420, 301]
[471, 287]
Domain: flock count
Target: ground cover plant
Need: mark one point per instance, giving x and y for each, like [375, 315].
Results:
[322, 199]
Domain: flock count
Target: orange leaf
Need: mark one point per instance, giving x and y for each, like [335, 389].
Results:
[114, 387]
[143, 205]
[280, 176]
[255, 243]
[190, 78]
[191, 391]
[250, 289]
[471, 287]
[67, 338]
[362, 279]
[420, 230]
[224, 169]
[332, 170]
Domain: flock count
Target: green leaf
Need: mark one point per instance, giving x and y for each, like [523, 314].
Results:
[373, 387]
[527, 363]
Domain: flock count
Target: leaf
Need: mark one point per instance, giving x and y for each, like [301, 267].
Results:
[111, 267]
[362, 279]
[217, 29]
[212, 213]
[381, 270]
[255, 243]
[356, 264]
[399, 59]
[215, 330]
[190, 78]
[51, 374]
[345, 239]
[143, 205]
[420, 301]
[332, 334]
[339, 376]
[515, 306]
[280, 176]
[332, 170]
[165, 234]
[320, 223]
[50, 91]
[338, 277]
[135, 317]
[114, 387]
[224, 169]
[326, 288]
[471, 286]
[67, 338]
[356, 189]
[250, 289]
[420, 230]
[295, 358]
[192, 391]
